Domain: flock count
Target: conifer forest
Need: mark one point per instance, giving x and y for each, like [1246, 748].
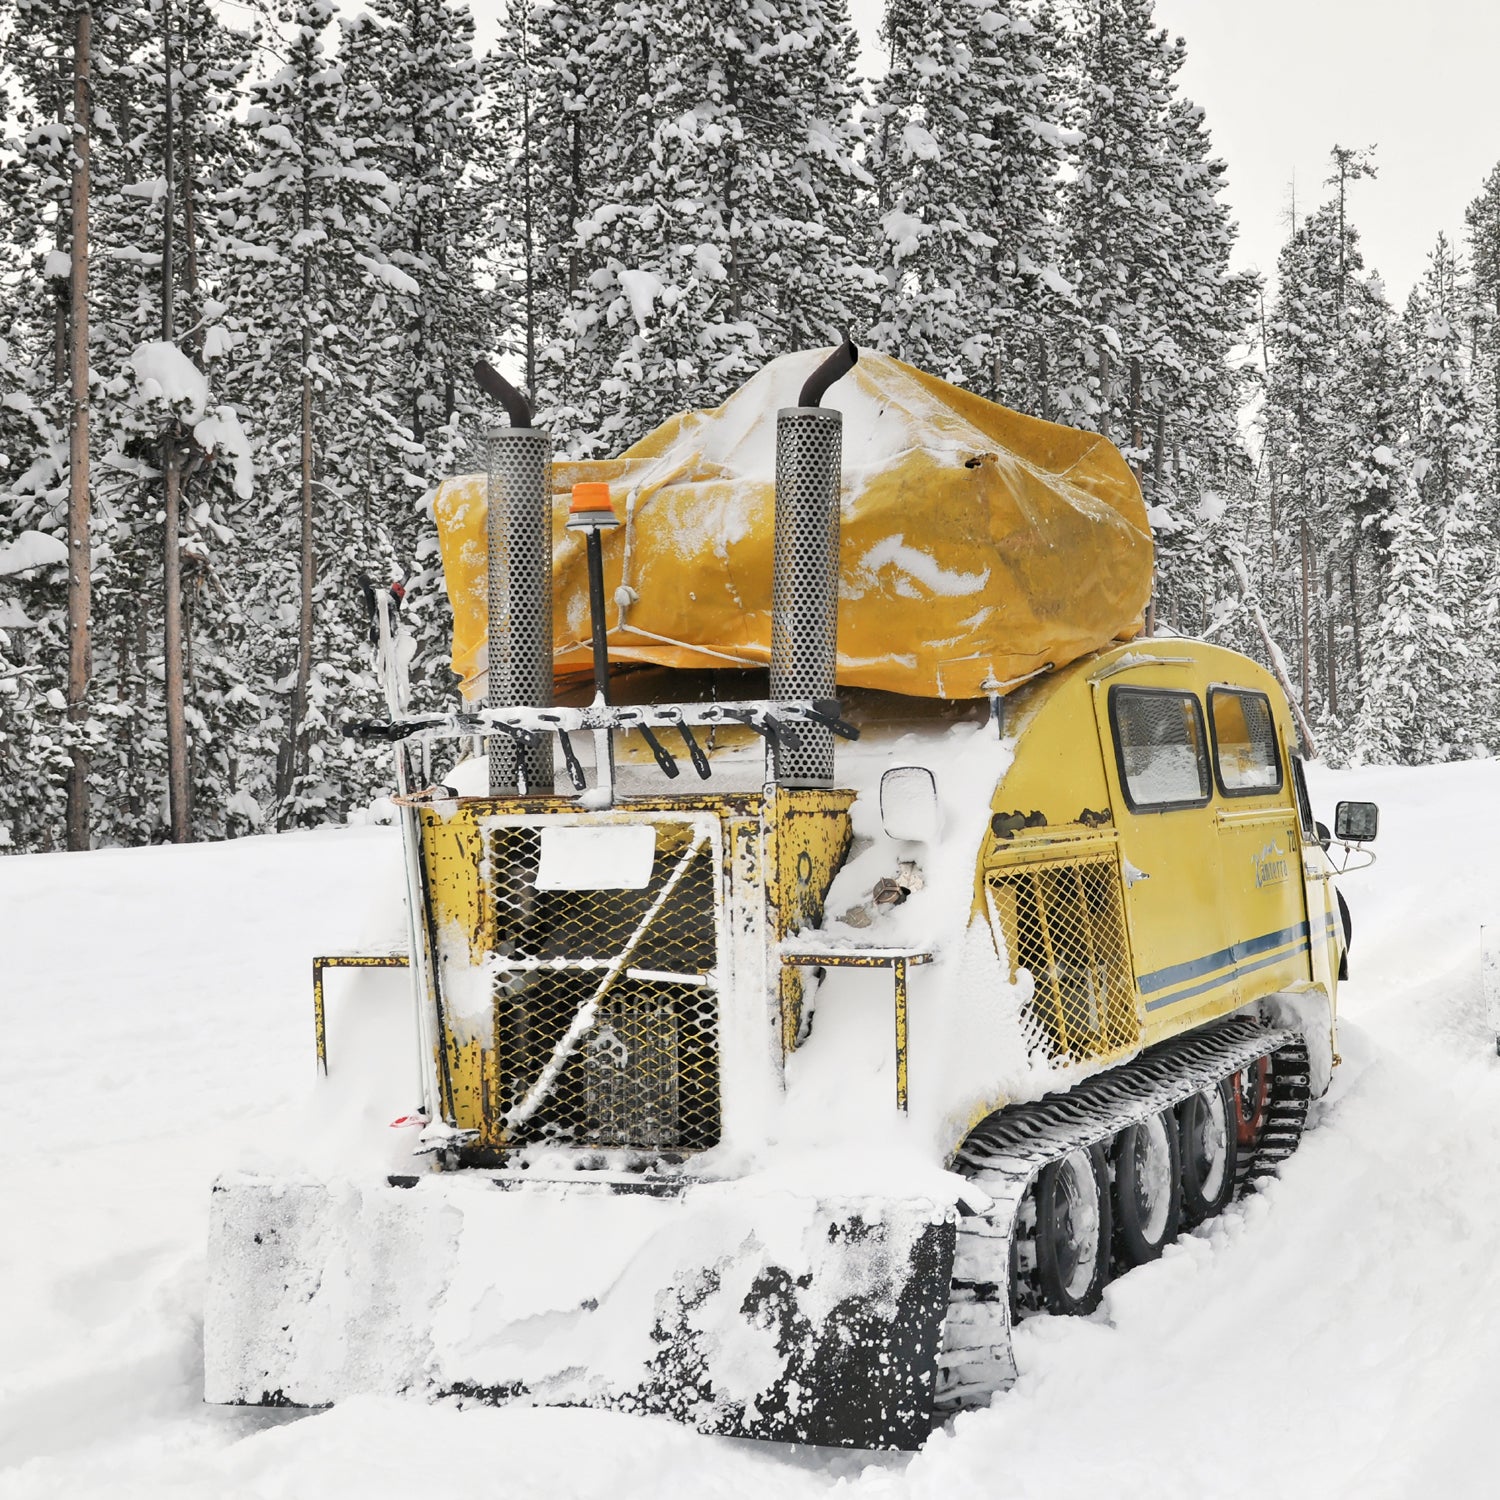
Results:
[249, 255]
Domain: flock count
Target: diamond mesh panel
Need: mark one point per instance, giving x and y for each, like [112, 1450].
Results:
[520, 598]
[1063, 925]
[804, 622]
[647, 1072]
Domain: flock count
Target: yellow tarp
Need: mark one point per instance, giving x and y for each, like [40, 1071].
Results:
[978, 544]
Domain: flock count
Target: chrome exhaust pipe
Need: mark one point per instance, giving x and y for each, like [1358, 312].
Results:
[519, 468]
[805, 577]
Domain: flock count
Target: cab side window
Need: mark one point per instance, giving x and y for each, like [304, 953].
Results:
[1244, 735]
[1160, 747]
[1304, 802]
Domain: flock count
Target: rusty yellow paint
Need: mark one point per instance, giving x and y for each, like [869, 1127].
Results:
[808, 832]
[466, 1065]
[456, 867]
[343, 961]
[897, 960]
[453, 861]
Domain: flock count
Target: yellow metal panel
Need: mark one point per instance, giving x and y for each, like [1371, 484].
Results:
[453, 859]
[1202, 936]
[807, 836]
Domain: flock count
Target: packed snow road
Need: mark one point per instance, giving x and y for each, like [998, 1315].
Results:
[1336, 1334]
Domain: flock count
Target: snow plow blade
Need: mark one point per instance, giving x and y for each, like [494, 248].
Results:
[737, 1311]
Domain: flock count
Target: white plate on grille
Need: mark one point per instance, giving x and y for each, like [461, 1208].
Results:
[616, 857]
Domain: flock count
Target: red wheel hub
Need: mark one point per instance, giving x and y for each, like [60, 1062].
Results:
[1252, 1093]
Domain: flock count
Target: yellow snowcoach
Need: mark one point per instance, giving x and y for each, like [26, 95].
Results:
[853, 934]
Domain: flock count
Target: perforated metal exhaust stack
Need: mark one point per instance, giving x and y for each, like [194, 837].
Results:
[520, 597]
[805, 587]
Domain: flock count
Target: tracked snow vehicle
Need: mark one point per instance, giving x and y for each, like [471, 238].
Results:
[882, 943]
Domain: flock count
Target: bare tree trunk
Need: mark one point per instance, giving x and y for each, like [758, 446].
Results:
[1306, 630]
[1271, 496]
[1159, 451]
[1103, 390]
[63, 289]
[177, 777]
[180, 821]
[80, 561]
[1044, 378]
[194, 313]
[296, 750]
[1274, 657]
[142, 701]
[1332, 648]
[1137, 437]
[294, 756]
[1359, 665]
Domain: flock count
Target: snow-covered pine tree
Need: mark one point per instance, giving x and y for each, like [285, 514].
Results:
[719, 228]
[36, 85]
[413, 87]
[1416, 661]
[304, 227]
[154, 251]
[414, 97]
[1482, 219]
[1309, 438]
[1197, 475]
[1142, 350]
[966, 150]
[1366, 393]
[1444, 468]
[1118, 240]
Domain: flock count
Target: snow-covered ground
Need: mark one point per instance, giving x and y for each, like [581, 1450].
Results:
[1336, 1334]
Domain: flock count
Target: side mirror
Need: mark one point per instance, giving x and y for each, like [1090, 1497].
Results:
[909, 805]
[1356, 822]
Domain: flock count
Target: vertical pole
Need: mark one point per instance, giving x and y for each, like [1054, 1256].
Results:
[80, 562]
[1306, 630]
[172, 650]
[177, 778]
[900, 987]
[1332, 648]
[604, 740]
[320, 1029]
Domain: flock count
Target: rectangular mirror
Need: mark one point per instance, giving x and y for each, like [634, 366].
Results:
[1355, 822]
[909, 805]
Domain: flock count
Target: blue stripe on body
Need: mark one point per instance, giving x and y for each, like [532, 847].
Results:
[1238, 972]
[1195, 968]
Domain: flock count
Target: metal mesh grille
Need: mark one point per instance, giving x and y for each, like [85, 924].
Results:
[520, 598]
[1062, 924]
[646, 1074]
[805, 604]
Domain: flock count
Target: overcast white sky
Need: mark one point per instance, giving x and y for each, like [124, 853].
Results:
[1283, 81]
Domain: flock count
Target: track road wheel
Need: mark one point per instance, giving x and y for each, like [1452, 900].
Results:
[1072, 1231]
[1208, 1145]
[1148, 1189]
[1252, 1094]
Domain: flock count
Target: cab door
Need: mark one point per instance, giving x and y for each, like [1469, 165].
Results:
[1260, 859]
[1325, 926]
[1155, 741]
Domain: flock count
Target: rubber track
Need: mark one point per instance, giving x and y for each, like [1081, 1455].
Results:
[1004, 1154]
